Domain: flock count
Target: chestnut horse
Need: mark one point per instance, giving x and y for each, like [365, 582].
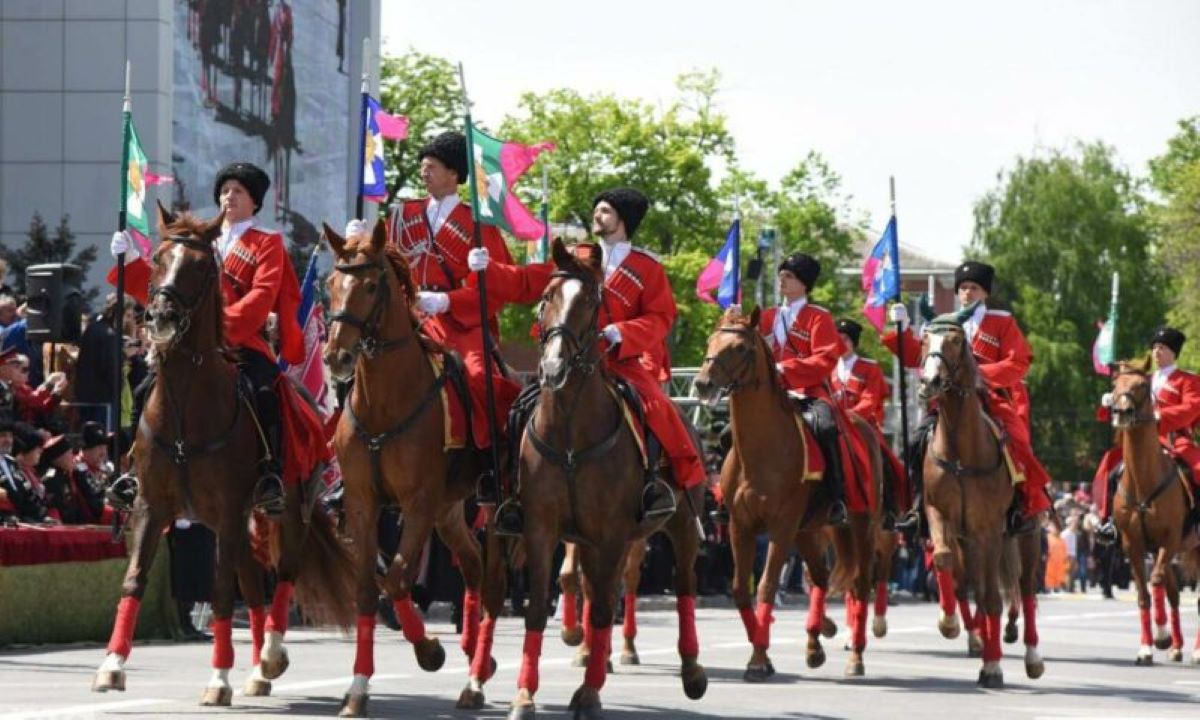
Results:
[1150, 508]
[580, 478]
[764, 485]
[390, 445]
[195, 454]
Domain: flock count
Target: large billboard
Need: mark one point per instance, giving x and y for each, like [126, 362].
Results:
[267, 82]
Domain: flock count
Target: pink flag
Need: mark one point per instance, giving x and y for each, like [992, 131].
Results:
[391, 127]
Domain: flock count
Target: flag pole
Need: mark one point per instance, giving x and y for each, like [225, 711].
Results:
[545, 255]
[900, 342]
[362, 129]
[118, 319]
[492, 491]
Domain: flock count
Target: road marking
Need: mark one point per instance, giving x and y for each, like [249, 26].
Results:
[83, 710]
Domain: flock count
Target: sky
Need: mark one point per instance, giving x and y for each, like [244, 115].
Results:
[942, 95]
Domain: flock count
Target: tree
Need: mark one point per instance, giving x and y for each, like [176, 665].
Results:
[41, 249]
[1056, 228]
[1176, 176]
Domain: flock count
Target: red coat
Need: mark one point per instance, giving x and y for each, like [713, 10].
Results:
[639, 301]
[865, 391]
[811, 350]
[256, 280]
[439, 263]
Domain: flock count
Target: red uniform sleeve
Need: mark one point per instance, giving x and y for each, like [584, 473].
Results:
[826, 348]
[870, 402]
[912, 347]
[647, 332]
[1183, 414]
[1015, 357]
[246, 317]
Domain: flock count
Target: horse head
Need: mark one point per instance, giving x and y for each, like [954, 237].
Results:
[732, 357]
[1132, 394]
[946, 360]
[184, 280]
[567, 316]
[367, 279]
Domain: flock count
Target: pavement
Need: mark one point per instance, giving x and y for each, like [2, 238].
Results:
[1088, 643]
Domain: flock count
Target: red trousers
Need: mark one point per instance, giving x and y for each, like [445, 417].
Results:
[664, 421]
[468, 344]
[1021, 448]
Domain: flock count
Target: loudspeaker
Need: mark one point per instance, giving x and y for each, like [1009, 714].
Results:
[55, 302]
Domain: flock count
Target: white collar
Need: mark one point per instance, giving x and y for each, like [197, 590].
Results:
[1160, 377]
[845, 366]
[614, 254]
[787, 314]
[438, 210]
[232, 234]
[973, 322]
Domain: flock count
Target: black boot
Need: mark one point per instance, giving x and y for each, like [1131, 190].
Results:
[268, 491]
[123, 492]
[487, 490]
[1106, 532]
[1016, 522]
[834, 478]
[658, 501]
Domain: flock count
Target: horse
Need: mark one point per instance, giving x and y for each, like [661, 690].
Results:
[390, 445]
[580, 477]
[768, 487]
[968, 488]
[1150, 508]
[194, 452]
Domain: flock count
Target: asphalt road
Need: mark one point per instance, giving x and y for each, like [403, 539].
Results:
[1089, 645]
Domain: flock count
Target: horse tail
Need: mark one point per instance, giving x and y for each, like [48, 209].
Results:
[841, 579]
[1010, 565]
[325, 580]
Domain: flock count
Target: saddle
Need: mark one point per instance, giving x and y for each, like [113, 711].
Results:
[1183, 473]
[814, 455]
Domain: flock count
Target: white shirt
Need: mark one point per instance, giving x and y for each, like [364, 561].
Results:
[614, 255]
[785, 317]
[845, 366]
[973, 322]
[436, 211]
[1160, 378]
[231, 235]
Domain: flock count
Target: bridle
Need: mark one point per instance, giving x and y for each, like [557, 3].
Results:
[953, 385]
[369, 343]
[1139, 416]
[187, 306]
[581, 358]
[737, 372]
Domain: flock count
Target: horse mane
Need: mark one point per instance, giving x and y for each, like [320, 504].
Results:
[734, 316]
[399, 266]
[188, 225]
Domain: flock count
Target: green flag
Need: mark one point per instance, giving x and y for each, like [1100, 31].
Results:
[136, 167]
[496, 167]
[1104, 351]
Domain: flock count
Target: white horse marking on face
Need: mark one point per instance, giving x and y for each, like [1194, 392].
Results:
[570, 291]
[933, 362]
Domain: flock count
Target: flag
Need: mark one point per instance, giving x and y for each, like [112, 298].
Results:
[380, 126]
[881, 276]
[723, 272]
[497, 167]
[1104, 350]
[137, 223]
[310, 373]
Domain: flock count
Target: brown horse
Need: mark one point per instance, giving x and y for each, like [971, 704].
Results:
[581, 478]
[1150, 508]
[967, 488]
[390, 445]
[767, 487]
[194, 453]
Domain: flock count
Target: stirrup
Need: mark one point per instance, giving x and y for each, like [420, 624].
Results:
[268, 495]
[510, 519]
[658, 500]
[838, 516]
[1017, 524]
[720, 516]
[487, 491]
[909, 521]
[1106, 532]
[123, 492]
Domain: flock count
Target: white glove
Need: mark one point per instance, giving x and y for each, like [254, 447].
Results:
[612, 334]
[1106, 400]
[899, 314]
[478, 259]
[433, 303]
[120, 244]
[357, 227]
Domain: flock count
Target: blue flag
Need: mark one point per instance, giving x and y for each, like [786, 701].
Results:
[723, 273]
[881, 275]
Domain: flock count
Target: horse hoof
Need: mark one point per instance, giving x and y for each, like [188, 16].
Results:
[855, 668]
[256, 687]
[815, 658]
[217, 697]
[585, 704]
[770, 668]
[1196, 656]
[949, 627]
[353, 706]
[991, 680]
[1144, 660]
[630, 657]
[1162, 641]
[757, 673]
[522, 712]
[572, 636]
[695, 681]
[879, 626]
[431, 656]
[272, 669]
[1175, 655]
[470, 699]
[106, 680]
[1010, 633]
[974, 644]
[828, 628]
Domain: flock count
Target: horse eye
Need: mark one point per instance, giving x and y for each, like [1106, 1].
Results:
[371, 287]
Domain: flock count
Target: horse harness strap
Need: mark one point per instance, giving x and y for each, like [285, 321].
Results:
[369, 343]
[376, 441]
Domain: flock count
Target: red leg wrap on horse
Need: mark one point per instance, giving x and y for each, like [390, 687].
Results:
[945, 584]
[411, 622]
[570, 613]
[1176, 629]
[881, 598]
[1147, 638]
[481, 662]
[1029, 611]
[587, 622]
[964, 609]
[594, 676]
[762, 631]
[222, 630]
[629, 627]
[280, 605]
[530, 654]
[121, 642]
[816, 610]
[258, 624]
[748, 622]
[1160, 605]
[364, 646]
[689, 642]
[860, 624]
[470, 614]
[992, 651]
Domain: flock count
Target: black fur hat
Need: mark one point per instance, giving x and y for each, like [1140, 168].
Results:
[979, 273]
[805, 267]
[1170, 337]
[449, 148]
[251, 177]
[851, 329]
[631, 206]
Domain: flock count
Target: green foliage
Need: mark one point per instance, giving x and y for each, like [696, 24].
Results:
[40, 248]
[696, 318]
[1176, 177]
[423, 88]
[1056, 228]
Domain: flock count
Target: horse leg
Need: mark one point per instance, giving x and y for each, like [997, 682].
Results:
[990, 607]
[599, 570]
[250, 578]
[859, 551]
[741, 543]
[539, 548]
[231, 536]
[568, 582]
[292, 532]
[631, 577]
[1029, 550]
[1137, 567]
[146, 528]
[495, 584]
[400, 578]
[945, 563]
[363, 522]
[477, 635]
[681, 529]
[885, 551]
[973, 624]
[813, 555]
[760, 667]
[1175, 654]
[1162, 639]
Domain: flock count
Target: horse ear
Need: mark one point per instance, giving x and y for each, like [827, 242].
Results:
[336, 242]
[562, 256]
[165, 218]
[1146, 363]
[755, 314]
[378, 236]
[595, 258]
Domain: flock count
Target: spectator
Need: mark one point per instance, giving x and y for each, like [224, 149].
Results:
[9, 473]
[32, 406]
[94, 373]
[77, 500]
[28, 495]
[13, 334]
[1056, 560]
[5, 288]
[1070, 538]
